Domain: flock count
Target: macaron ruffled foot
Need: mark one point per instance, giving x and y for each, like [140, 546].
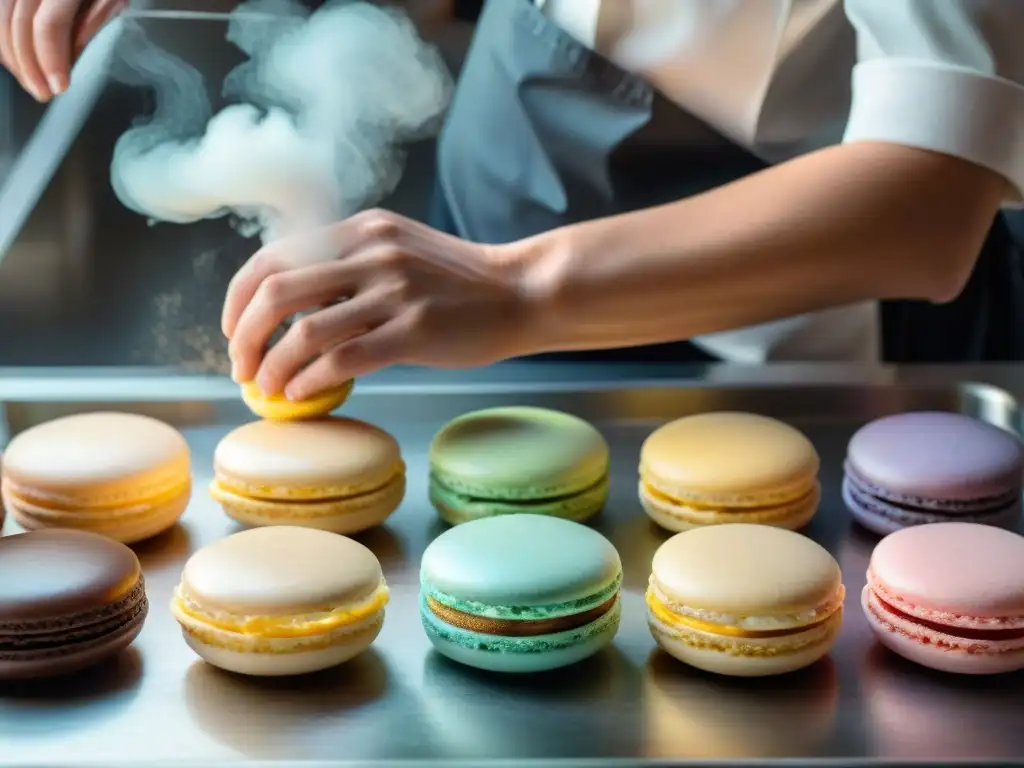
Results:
[520, 593]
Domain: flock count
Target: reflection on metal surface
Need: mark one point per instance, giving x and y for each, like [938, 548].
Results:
[693, 714]
[403, 702]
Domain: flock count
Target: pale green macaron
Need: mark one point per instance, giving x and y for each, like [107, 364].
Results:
[518, 459]
[520, 593]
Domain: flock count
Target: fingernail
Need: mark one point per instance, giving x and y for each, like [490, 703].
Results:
[58, 84]
[290, 394]
[234, 373]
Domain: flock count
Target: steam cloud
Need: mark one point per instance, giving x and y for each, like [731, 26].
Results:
[315, 130]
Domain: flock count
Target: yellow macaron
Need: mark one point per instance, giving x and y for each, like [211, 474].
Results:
[336, 474]
[280, 601]
[120, 475]
[279, 408]
[745, 600]
[729, 468]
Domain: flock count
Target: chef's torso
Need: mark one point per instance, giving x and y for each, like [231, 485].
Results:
[779, 78]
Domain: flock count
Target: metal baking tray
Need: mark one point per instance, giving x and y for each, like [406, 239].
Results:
[628, 705]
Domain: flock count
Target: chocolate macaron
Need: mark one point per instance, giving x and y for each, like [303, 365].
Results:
[68, 599]
[932, 467]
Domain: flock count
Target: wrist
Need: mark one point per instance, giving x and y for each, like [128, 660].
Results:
[537, 269]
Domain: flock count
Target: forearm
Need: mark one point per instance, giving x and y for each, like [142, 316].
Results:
[850, 223]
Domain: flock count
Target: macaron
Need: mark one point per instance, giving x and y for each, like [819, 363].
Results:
[518, 459]
[68, 599]
[280, 408]
[121, 475]
[520, 593]
[337, 474]
[745, 600]
[280, 601]
[916, 468]
[718, 468]
[949, 596]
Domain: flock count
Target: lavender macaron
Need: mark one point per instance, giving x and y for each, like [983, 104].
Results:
[918, 468]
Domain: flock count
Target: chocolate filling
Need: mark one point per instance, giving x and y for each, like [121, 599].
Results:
[965, 633]
[514, 628]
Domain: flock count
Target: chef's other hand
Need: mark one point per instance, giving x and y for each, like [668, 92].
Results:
[380, 289]
[41, 39]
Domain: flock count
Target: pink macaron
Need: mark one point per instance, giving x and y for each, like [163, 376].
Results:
[950, 596]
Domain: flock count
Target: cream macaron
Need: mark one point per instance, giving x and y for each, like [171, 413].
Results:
[280, 601]
[745, 600]
[120, 475]
[716, 468]
[336, 474]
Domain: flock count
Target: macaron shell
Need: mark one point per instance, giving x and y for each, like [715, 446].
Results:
[522, 561]
[679, 516]
[307, 460]
[953, 572]
[279, 408]
[67, 600]
[518, 453]
[96, 460]
[943, 456]
[344, 515]
[455, 508]
[281, 570]
[738, 459]
[911, 646]
[746, 571]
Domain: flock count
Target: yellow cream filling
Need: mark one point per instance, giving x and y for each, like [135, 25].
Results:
[265, 492]
[671, 619]
[283, 626]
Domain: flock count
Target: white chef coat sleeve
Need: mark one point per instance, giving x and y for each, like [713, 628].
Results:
[943, 75]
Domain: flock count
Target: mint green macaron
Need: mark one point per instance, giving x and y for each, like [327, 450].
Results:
[520, 593]
[518, 459]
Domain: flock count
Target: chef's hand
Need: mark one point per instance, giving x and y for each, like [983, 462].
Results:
[41, 39]
[380, 289]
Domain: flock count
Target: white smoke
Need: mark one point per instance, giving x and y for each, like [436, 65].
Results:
[319, 115]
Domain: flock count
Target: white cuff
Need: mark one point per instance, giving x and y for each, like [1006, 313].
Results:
[943, 108]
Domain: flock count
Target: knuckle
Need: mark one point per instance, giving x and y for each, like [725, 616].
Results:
[305, 331]
[378, 224]
[272, 290]
[50, 18]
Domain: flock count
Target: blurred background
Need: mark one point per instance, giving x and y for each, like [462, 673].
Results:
[83, 280]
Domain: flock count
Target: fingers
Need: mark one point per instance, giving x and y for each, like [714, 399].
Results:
[278, 296]
[6, 42]
[314, 334]
[383, 346]
[310, 248]
[23, 49]
[39, 41]
[52, 32]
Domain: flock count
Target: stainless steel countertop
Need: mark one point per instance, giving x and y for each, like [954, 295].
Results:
[401, 702]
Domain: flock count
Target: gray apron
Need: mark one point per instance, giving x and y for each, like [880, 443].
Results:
[544, 132]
